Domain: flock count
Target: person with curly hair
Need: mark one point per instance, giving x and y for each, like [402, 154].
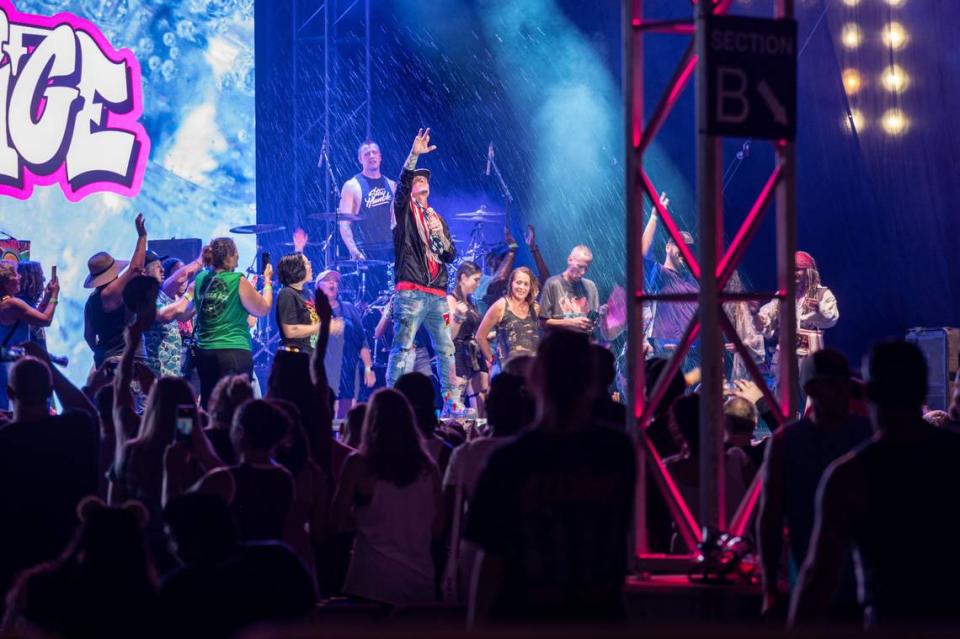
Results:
[33, 291]
[17, 316]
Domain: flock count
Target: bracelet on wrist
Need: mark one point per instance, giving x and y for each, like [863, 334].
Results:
[513, 247]
[368, 369]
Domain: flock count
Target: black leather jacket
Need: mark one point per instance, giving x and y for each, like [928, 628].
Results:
[411, 263]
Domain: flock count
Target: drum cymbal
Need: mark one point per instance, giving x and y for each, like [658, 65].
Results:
[361, 264]
[334, 216]
[305, 244]
[482, 212]
[258, 229]
[482, 219]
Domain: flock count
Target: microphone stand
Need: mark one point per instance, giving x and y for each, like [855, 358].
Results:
[504, 189]
[332, 184]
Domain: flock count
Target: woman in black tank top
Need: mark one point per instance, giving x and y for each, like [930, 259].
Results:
[515, 318]
[464, 321]
[258, 490]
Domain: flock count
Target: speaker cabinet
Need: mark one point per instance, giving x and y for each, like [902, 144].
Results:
[941, 348]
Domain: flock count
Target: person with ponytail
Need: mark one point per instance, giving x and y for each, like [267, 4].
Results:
[224, 299]
[471, 367]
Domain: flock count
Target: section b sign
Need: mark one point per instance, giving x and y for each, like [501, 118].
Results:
[751, 70]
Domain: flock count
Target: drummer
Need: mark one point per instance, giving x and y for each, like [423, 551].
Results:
[366, 209]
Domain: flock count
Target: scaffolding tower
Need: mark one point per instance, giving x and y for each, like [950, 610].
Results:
[713, 267]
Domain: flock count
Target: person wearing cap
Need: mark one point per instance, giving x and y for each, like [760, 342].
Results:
[162, 338]
[423, 248]
[796, 457]
[816, 307]
[347, 347]
[672, 276]
[104, 316]
[893, 500]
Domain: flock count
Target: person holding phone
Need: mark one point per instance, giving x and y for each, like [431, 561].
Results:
[33, 291]
[17, 316]
[223, 301]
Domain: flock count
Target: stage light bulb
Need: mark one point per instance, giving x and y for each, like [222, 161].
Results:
[850, 36]
[896, 3]
[857, 120]
[894, 79]
[894, 122]
[894, 35]
[851, 81]
[851, 3]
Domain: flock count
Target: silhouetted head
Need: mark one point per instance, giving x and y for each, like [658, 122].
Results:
[418, 389]
[896, 375]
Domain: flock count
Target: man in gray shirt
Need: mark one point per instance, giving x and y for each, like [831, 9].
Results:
[569, 300]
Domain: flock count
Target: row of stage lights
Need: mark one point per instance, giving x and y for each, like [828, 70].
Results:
[893, 79]
[892, 3]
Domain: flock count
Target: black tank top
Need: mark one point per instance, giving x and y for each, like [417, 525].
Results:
[108, 327]
[374, 235]
[471, 323]
[261, 501]
[911, 567]
[518, 335]
[807, 451]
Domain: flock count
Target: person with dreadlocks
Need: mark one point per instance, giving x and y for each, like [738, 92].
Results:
[816, 309]
[423, 249]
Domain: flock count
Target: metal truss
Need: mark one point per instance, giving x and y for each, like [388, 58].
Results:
[713, 268]
[328, 35]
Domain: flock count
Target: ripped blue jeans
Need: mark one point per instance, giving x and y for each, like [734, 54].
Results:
[410, 310]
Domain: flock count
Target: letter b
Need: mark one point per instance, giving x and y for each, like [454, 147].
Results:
[732, 104]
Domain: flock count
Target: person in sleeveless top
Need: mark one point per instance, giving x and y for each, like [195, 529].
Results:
[796, 458]
[142, 466]
[464, 320]
[223, 300]
[515, 318]
[17, 317]
[104, 315]
[258, 490]
[368, 195]
[33, 291]
[389, 493]
[893, 501]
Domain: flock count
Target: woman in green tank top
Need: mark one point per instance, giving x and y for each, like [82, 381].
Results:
[224, 300]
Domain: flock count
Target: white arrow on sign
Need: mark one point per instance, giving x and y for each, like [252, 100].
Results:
[778, 110]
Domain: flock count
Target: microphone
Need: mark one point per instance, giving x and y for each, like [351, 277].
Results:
[489, 157]
[323, 153]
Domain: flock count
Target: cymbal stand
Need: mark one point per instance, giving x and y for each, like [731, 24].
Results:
[330, 257]
[504, 189]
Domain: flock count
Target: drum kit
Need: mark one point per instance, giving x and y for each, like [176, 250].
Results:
[367, 283]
